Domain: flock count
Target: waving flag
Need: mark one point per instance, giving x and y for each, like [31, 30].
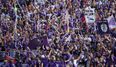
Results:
[111, 22]
[90, 15]
[103, 27]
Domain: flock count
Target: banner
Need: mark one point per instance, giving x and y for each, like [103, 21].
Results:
[90, 15]
[111, 22]
[102, 27]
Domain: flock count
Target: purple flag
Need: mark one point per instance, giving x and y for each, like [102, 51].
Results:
[111, 22]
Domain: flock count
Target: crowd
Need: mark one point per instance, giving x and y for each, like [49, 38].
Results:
[54, 33]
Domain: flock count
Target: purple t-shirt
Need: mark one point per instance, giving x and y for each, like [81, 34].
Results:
[45, 62]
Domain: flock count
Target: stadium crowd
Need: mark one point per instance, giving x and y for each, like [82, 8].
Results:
[54, 33]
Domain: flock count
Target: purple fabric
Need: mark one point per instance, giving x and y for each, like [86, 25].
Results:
[52, 64]
[114, 58]
[45, 62]
[34, 44]
[60, 63]
[44, 41]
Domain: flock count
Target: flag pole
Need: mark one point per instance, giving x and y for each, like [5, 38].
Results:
[15, 26]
